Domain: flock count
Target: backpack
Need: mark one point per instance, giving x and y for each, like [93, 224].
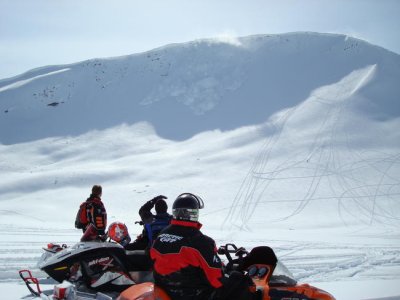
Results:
[81, 219]
[153, 229]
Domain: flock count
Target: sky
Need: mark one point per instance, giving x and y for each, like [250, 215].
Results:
[47, 32]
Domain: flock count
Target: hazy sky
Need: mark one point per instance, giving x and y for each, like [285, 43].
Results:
[35, 33]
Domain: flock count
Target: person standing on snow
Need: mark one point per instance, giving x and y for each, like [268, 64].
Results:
[92, 213]
[186, 264]
[153, 223]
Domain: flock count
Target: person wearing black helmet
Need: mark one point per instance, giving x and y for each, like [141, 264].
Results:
[186, 264]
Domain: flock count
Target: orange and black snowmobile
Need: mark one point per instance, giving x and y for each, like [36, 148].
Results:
[271, 278]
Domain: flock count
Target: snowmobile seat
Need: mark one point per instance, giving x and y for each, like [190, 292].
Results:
[139, 260]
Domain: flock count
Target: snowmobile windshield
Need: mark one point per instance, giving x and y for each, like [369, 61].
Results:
[42, 260]
[281, 276]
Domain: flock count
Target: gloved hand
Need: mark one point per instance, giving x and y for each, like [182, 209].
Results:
[155, 199]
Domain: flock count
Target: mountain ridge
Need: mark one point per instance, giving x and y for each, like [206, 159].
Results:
[206, 84]
[227, 40]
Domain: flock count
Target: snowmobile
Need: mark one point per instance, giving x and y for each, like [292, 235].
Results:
[272, 280]
[106, 266]
[95, 264]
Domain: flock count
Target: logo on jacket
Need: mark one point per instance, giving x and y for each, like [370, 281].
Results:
[216, 259]
[169, 238]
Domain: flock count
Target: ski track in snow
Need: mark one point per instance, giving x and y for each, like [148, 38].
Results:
[320, 168]
[345, 262]
[326, 262]
[21, 248]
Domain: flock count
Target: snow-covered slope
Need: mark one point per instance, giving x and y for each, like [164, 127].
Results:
[205, 85]
[292, 140]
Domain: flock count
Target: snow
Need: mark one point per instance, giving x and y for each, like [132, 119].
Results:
[291, 140]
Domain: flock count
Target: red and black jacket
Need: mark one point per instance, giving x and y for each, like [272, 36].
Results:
[96, 213]
[186, 264]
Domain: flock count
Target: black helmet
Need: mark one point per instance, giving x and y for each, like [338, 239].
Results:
[161, 206]
[186, 207]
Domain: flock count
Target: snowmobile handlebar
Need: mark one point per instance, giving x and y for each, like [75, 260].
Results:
[228, 249]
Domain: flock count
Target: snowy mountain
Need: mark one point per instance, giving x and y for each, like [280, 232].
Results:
[291, 140]
[206, 84]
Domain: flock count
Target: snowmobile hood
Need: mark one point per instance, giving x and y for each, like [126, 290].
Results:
[76, 250]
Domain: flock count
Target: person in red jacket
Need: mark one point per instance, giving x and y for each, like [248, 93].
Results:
[96, 215]
[186, 263]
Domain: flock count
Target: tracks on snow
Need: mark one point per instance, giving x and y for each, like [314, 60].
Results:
[21, 248]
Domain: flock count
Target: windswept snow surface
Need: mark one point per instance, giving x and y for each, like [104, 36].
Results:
[292, 141]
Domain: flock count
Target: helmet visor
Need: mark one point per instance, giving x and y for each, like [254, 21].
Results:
[186, 214]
